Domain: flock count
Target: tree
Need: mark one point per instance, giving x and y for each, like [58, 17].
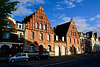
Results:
[6, 8]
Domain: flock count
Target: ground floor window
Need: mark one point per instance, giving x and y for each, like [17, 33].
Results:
[31, 48]
[48, 48]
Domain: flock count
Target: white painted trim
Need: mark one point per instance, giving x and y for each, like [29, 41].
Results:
[12, 19]
[10, 43]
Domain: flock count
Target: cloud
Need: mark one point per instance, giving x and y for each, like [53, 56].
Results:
[96, 17]
[22, 7]
[68, 3]
[63, 15]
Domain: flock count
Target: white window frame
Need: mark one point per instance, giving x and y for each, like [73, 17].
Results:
[41, 26]
[18, 26]
[62, 38]
[41, 36]
[44, 27]
[32, 35]
[36, 25]
[31, 50]
[19, 36]
[48, 37]
[56, 38]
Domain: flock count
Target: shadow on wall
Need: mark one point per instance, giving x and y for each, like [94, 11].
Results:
[15, 48]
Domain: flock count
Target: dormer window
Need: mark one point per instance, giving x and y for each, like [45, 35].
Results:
[9, 24]
[57, 38]
[20, 26]
[62, 38]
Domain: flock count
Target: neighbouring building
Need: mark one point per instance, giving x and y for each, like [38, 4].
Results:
[12, 42]
[66, 39]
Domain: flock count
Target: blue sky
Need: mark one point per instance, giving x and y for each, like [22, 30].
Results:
[86, 13]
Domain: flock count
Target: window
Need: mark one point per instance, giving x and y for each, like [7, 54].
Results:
[75, 33]
[18, 55]
[48, 48]
[20, 26]
[70, 48]
[6, 36]
[82, 48]
[32, 35]
[31, 48]
[73, 40]
[9, 24]
[36, 25]
[77, 41]
[69, 40]
[44, 27]
[57, 38]
[19, 36]
[40, 26]
[48, 37]
[62, 38]
[77, 48]
[71, 33]
[41, 36]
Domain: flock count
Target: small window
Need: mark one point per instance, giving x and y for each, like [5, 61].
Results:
[9, 24]
[48, 37]
[41, 36]
[70, 48]
[77, 41]
[44, 27]
[32, 35]
[6, 36]
[40, 26]
[62, 38]
[36, 25]
[57, 38]
[71, 33]
[73, 40]
[20, 26]
[19, 36]
[69, 40]
[75, 33]
[31, 48]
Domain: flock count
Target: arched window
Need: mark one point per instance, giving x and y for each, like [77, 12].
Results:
[41, 36]
[48, 37]
[48, 48]
[44, 27]
[9, 24]
[36, 25]
[31, 48]
[73, 40]
[40, 26]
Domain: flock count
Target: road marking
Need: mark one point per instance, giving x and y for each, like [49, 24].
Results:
[65, 62]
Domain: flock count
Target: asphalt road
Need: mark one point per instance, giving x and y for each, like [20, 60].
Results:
[89, 60]
[84, 62]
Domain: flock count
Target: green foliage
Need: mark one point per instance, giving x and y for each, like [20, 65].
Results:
[6, 8]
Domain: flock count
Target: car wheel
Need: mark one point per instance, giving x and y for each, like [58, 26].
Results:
[12, 60]
[26, 60]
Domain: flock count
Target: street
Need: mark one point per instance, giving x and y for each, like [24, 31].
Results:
[88, 60]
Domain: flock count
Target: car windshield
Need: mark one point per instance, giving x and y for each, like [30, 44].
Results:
[18, 55]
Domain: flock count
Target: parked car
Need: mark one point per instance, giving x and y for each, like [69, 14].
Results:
[44, 56]
[19, 57]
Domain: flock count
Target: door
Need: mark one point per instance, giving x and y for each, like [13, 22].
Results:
[63, 50]
[57, 50]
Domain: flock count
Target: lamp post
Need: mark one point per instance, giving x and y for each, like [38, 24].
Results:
[24, 37]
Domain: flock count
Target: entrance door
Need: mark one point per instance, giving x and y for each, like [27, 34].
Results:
[40, 49]
[63, 50]
[57, 50]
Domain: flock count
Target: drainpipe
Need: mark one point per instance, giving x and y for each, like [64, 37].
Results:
[24, 38]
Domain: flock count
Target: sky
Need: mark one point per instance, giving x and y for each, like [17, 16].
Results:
[86, 13]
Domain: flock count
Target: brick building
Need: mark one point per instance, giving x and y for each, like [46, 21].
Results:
[12, 42]
[39, 36]
[68, 34]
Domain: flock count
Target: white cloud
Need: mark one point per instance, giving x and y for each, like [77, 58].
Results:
[61, 16]
[69, 3]
[22, 7]
[96, 17]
